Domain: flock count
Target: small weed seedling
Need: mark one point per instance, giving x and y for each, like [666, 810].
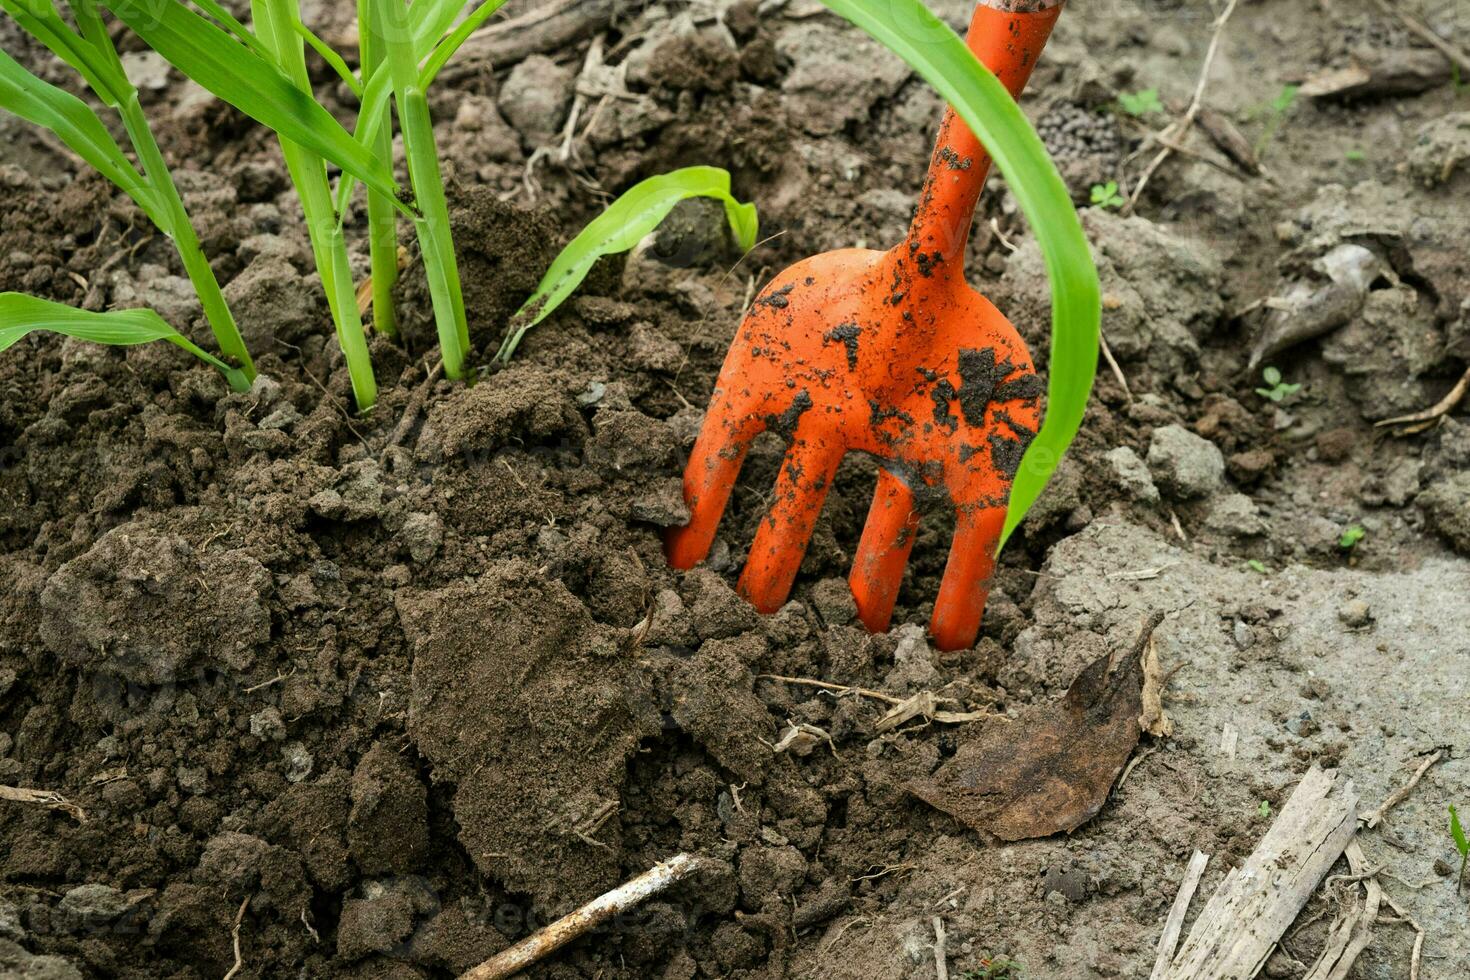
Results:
[1141, 103]
[1257, 566]
[1275, 112]
[1107, 196]
[996, 968]
[1350, 537]
[1278, 389]
[1264, 810]
[1355, 156]
[1461, 844]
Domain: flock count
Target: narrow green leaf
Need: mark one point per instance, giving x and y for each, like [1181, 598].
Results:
[446, 48]
[21, 315]
[431, 20]
[911, 31]
[1458, 833]
[636, 213]
[332, 58]
[250, 83]
[378, 88]
[227, 20]
[101, 73]
[76, 125]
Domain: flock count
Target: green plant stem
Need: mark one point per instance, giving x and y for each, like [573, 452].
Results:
[382, 218]
[176, 217]
[274, 21]
[186, 241]
[436, 239]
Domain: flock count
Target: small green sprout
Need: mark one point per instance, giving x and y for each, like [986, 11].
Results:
[1278, 389]
[1257, 566]
[1461, 844]
[1275, 112]
[1351, 536]
[1141, 103]
[1264, 810]
[997, 968]
[1355, 156]
[1107, 196]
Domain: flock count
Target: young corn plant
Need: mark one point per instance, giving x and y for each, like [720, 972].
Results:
[88, 49]
[263, 73]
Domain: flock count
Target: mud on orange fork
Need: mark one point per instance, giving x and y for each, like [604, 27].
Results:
[891, 354]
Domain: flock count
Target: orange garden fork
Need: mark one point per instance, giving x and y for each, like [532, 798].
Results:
[891, 354]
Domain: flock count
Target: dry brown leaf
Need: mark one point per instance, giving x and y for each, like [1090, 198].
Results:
[1052, 768]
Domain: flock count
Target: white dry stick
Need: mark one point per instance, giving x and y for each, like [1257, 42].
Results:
[1174, 924]
[1229, 739]
[1252, 907]
[1402, 793]
[941, 958]
[48, 798]
[1350, 935]
[1416, 957]
[235, 939]
[1175, 132]
[544, 942]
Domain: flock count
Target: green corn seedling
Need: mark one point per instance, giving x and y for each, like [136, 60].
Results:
[88, 49]
[21, 315]
[402, 49]
[633, 215]
[382, 218]
[276, 21]
[263, 74]
[391, 17]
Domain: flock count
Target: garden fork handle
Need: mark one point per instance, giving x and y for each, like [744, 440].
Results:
[1007, 37]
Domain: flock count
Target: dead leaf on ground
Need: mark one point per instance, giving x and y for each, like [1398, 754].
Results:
[1052, 768]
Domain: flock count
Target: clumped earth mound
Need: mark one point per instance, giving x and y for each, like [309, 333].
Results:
[392, 691]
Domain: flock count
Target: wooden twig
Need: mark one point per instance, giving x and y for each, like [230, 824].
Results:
[1435, 411]
[1253, 906]
[1399, 795]
[1416, 958]
[1174, 924]
[1450, 51]
[1176, 131]
[235, 939]
[1102, 342]
[620, 900]
[1350, 935]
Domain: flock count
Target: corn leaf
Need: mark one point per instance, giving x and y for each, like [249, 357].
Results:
[1458, 833]
[910, 30]
[633, 215]
[228, 21]
[76, 125]
[332, 58]
[446, 48]
[379, 87]
[21, 315]
[98, 69]
[431, 20]
[250, 83]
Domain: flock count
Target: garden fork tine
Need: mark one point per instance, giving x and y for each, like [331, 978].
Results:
[890, 354]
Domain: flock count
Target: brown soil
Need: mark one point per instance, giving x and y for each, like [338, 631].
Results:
[409, 685]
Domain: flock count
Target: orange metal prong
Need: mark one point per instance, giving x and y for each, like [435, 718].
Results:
[883, 551]
[780, 543]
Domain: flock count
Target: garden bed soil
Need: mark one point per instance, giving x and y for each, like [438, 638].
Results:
[374, 696]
